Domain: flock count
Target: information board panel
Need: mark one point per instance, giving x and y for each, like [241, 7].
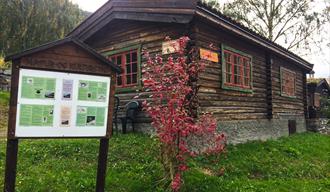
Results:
[55, 104]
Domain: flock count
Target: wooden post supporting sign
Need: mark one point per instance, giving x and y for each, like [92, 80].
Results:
[102, 165]
[11, 165]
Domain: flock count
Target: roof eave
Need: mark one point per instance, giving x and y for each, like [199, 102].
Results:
[325, 82]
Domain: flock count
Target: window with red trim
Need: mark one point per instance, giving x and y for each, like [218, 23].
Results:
[288, 82]
[237, 70]
[128, 61]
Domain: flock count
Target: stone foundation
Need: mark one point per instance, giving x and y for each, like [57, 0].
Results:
[248, 130]
[319, 125]
[245, 130]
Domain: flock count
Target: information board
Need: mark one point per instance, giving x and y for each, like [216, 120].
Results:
[55, 104]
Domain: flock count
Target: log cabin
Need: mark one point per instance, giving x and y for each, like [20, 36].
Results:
[254, 87]
[318, 90]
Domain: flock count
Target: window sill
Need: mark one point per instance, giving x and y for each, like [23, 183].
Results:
[232, 88]
[128, 89]
[287, 96]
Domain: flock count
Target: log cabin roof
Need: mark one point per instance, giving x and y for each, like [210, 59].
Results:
[175, 11]
[318, 85]
[60, 42]
[318, 82]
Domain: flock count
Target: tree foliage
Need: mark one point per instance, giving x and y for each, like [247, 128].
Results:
[212, 3]
[292, 23]
[28, 23]
[173, 85]
[327, 14]
[325, 107]
[2, 63]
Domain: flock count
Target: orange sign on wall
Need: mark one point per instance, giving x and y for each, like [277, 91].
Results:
[209, 55]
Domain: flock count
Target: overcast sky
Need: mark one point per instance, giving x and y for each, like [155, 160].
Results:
[89, 5]
[321, 60]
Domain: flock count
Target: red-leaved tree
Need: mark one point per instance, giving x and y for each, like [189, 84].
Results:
[172, 83]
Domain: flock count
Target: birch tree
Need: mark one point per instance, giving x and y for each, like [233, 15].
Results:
[291, 23]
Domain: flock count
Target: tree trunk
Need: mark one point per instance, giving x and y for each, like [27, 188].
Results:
[168, 159]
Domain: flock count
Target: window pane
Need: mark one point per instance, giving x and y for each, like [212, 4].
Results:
[236, 79]
[118, 59]
[128, 62]
[134, 57]
[134, 67]
[228, 69]
[128, 79]
[288, 83]
[236, 60]
[237, 70]
[128, 58]
[292, 91]
[134, 80]
[245, 66]
[228, 78]
[119, 81]
[240, 61]
[247, 73]
[128, 69]
[227, 57]
[246, 82]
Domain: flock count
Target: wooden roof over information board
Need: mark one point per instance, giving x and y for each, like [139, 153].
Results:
[76, 42]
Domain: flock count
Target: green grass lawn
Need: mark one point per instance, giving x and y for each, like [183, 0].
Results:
[4, 99]
[293, 164]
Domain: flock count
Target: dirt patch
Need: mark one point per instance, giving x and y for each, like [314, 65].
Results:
[3, 120]
[210, 172]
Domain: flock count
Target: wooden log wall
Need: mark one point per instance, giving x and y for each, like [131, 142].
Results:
[265, 101]
[226, 104]
[121, 33]
[284, 105]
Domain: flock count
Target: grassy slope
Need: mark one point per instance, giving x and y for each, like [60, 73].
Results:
[299, 163]
[4, 98]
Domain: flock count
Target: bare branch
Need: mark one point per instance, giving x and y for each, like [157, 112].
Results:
[286, 22]
[305, 35]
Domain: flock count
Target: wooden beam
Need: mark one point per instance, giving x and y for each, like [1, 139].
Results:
[11, 165]
[102, 165]
[269, 85]
[305, 96]
[152, 17]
